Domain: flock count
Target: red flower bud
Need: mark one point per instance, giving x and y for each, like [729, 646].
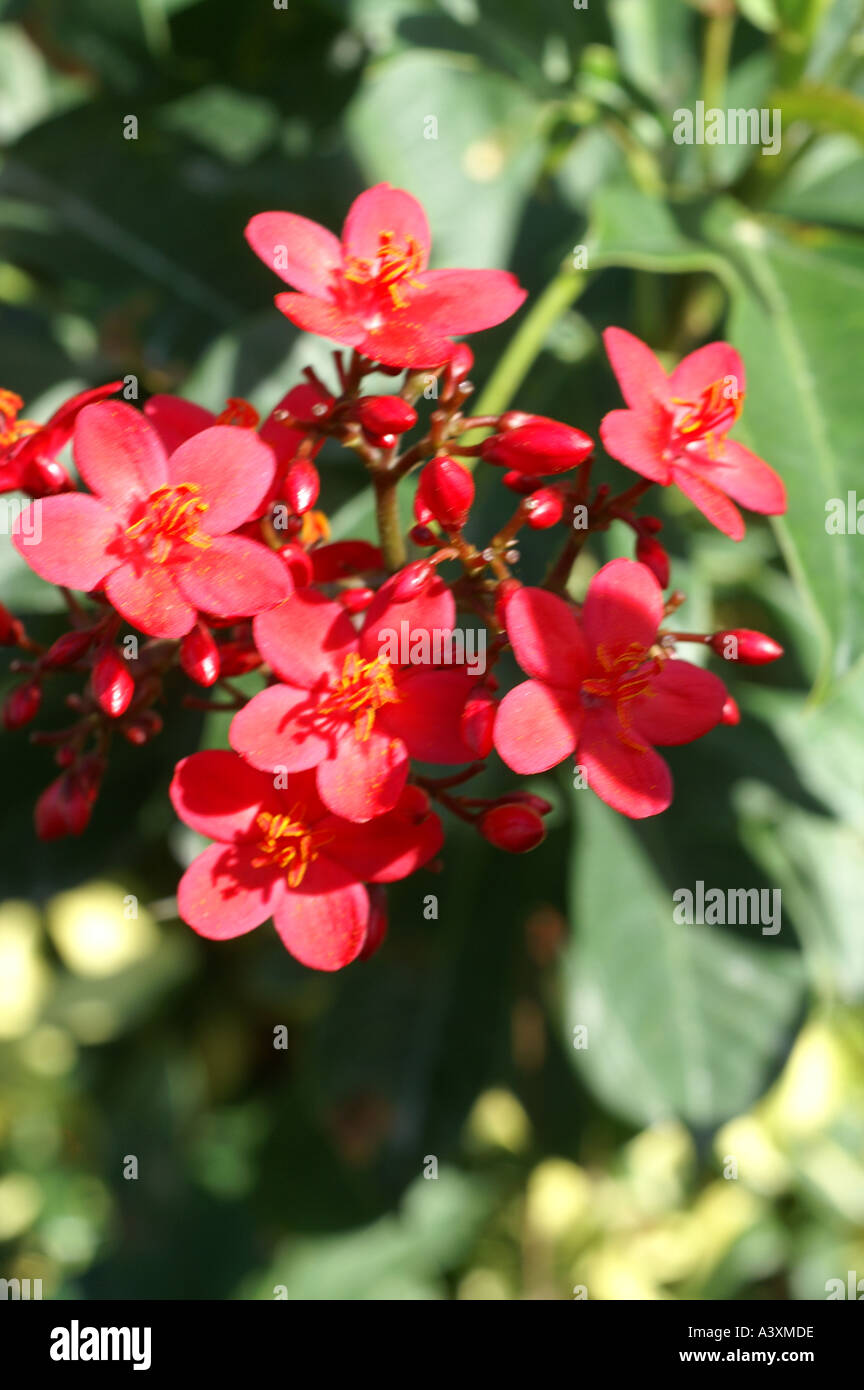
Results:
[512, 826]
[356, 600]
[537, 803]
[143, 727]
[298, 563]
[538, 447]
[477, 724]
[112, 684]
[445, 493]
[460, 364]
[236, 658]
[21, 705]
[11, 630]
[376, 926]
[412, 581]
[421, 535]
[383, 416]
[45, 477]
[543, 508]
[414, 802]
[518, 482]
[744, 645]
[651, 553]
[730, 713]
[64, 808]
[301, 485]
[199, 656]
[67, 649]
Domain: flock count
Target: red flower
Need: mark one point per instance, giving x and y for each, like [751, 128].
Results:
[675, 430]
[28, 451]
[597, 691]
[349, 709]
[372, 289]
[281, 854]
[155, 529]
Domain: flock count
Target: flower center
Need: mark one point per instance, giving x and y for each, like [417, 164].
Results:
[626, 675]
[288, 843]
[709, 417]
[360, 691]
[171, 514]
[238, 412]
[391, 271]
[11, 428]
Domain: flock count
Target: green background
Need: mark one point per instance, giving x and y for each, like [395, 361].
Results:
[708, 1141]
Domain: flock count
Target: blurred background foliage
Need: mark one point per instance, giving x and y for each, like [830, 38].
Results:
[611, 1167]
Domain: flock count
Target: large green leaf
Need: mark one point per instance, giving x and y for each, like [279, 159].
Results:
[682, 1020]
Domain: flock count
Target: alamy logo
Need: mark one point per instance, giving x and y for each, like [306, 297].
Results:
[853, 1288]
[76, 1343]
[20, 1289]
[718, 907]
[741, 126]
[437, 646]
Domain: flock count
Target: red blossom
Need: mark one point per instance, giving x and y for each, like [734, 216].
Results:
[346, 706]
[372, 289]
[597, 691]
[154, 531]
[280, 853]
[675, 430]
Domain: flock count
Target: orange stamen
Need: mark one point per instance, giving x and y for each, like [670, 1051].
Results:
[171, 514]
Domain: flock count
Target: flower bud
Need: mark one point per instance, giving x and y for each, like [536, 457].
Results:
[518, 482]
[382, 416]
[64, 808]
[730, 713]
[67, 649]
[537, 803]
[298, 563]
[236, 658]
[199, 656]
[21, 705]
[356, 600]
[376, 925]
[459, 365]
[11, 630]
[513, 827]
[45, 477]
[421, 535]
[544, 508]
[477, 724]
[744, 645]
[445, 493]
[412, 581]
[650, 552]
[539, 446]
[301, 485]
[112, 684]
[144, 726]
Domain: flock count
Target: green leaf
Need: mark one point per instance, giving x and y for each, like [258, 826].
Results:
[682, 1020]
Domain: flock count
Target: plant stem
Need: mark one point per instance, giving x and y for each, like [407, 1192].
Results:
[387, 516]
[719, 29]
[527, 342]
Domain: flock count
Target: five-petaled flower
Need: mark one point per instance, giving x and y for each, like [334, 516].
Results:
[345, 707]
[601, 688]
[372, 290]
[154, 530]
[675, 430]
[280, 853]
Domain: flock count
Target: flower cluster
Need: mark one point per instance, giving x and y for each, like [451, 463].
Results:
[191, 540]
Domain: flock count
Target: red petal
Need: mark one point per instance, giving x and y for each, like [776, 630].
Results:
[305, 638]
[221, 895]
[118, 453]
[388, 848]
[623, 608]
[682, 703]
[273, 730]
[379, 209]
[234, 576]
[433, 608]
[65, 539]
[404, 341]
[536, 727]
[301, 252]
[638, 439]
[700, 369]
[233, 469]
[745, 478]
[176, 420]
[365, 777]
[710, 500]
[149, 599]
[546, 638]
[319, 316]
[466, 301]
[323, 922]
[633, 780]
[219, 795]
[428, 714]
[639, 374]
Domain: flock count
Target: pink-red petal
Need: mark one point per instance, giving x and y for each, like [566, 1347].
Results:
[119, 453]
[275, 730]
[233, 577]
[323, 922]
[427, 717]
[712, 503]
[622, 611]
[640, 375]
[176, 420]
[306, 638]
[385, 209]
[629, 776]
[536, 727]
[466, 301]
[321, 317]
[546, 638]
[233, 470]
[700, 369]
[221, 894]
[639, 439]
[148, 597]
[301, 252]
[65, 539]
[220, 796]
[365, 777]
[744, 477]
[682, 703]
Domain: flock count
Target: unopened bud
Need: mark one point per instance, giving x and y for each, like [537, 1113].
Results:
[543, 508]
[744, 645]
[21, 705]
[199, 656]
[730, 713]
[67, 649]
[650, 553]
[513, 827]
[477, 724]
[445, 493]
[356, 600]
[539, 446]
[112, 683]
[301, 485]
[412, 581]
[382, 418]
